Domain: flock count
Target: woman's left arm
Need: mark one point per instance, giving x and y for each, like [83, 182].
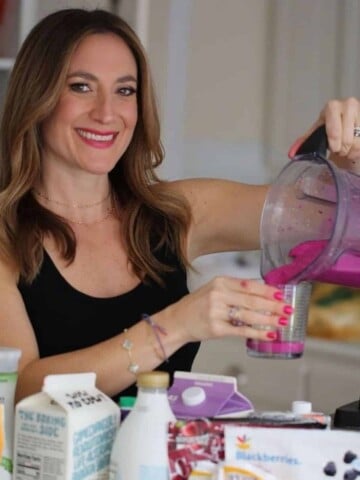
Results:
[225, 215]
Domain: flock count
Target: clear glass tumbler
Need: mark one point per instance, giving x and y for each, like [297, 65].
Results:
[290, 340]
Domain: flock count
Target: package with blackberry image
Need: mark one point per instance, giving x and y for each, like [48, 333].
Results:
[296, 453]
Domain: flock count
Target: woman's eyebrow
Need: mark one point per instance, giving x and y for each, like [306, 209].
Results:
[90, 76]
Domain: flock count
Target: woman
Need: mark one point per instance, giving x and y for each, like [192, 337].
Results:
[90, 238]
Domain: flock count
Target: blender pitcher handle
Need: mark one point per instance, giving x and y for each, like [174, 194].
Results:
[317, 143]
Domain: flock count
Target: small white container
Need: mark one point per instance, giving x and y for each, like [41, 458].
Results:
[9, 360]
[304, 409]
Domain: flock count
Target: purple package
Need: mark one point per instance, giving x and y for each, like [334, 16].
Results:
[195, 395]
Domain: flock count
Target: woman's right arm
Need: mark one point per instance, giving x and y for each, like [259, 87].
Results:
[15, 328]
[108, 359]
[200, 315]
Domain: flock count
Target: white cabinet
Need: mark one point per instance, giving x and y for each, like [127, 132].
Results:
[328, 374]
[16, 19]
[5, 66]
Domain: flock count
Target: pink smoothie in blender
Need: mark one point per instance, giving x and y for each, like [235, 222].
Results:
[344, 271]
[310, 231]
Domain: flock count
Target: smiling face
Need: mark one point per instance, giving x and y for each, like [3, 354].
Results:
[94, 120]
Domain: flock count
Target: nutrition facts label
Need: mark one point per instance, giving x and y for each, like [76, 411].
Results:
[28, 466]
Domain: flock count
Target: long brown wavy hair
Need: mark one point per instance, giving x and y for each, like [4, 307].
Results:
[154, 217]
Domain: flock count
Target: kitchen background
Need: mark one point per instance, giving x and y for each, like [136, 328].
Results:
[237, 82]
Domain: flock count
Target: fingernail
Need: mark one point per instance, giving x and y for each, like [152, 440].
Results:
[283, 321]
[279, 295]
[295, 147]
[271, 335]
[288, 309]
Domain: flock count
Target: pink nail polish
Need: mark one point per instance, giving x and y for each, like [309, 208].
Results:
[279, 295]
[288, 309]
[283, 321]
[271, 335]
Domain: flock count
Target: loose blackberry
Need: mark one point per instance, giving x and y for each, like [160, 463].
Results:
[350, 475]
[330, 469]
[349, 456]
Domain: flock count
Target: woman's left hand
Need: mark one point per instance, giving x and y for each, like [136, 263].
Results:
[228, 306]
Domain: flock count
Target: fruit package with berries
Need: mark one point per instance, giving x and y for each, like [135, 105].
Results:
[296, 454]
[194, 442]
[196, 445]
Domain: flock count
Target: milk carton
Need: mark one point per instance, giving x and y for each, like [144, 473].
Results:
[66, 431]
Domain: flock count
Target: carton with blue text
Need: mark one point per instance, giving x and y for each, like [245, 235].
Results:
[66, 431]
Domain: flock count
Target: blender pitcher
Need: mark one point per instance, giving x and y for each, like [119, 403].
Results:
[310, 230]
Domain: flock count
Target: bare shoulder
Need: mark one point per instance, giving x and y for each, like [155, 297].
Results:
[9, 274]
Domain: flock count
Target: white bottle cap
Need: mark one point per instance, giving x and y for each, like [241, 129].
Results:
[300, 407]
[9, 359]
[193, 396]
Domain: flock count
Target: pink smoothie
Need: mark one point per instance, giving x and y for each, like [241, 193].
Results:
[276, 348]
[345, 271]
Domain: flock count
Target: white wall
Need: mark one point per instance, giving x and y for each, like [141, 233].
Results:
[239, 80]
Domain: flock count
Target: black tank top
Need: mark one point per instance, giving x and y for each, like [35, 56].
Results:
[65, 319]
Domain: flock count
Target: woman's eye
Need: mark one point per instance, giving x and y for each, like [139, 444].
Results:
[126, 91]
[79, 87]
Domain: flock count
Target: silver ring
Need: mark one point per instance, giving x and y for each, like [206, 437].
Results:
[357, 131]
[234, 316]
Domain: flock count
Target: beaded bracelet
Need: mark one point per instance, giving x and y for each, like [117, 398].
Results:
[156, 329]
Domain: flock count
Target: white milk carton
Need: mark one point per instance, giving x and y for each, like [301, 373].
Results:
[66, 431]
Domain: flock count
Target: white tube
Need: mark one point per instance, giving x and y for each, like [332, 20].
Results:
[9, 359]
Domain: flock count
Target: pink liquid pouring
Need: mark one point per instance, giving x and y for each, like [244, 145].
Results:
[345, 271]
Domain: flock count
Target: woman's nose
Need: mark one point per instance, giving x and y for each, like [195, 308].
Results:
[103, 108]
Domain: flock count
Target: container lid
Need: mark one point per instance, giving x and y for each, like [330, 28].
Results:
[193, 396]
[126, 402]
[155, 379]
[9, 359]
[300, 407]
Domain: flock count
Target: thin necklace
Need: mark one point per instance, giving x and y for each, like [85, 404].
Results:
[72, 205]
[109, 213]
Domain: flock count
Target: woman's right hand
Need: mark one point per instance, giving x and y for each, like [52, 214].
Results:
[228, 306]
[340, 117]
